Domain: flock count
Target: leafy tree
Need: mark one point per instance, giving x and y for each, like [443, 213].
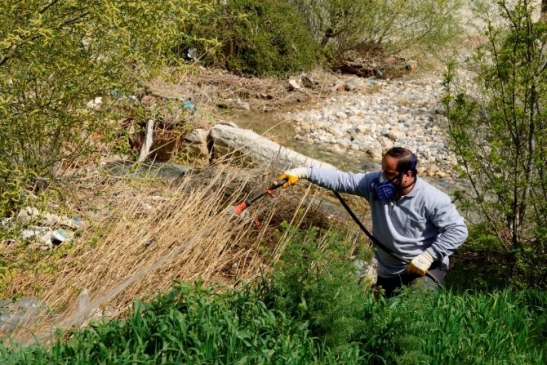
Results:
[392, 26]
[55, 56]
[500, 135]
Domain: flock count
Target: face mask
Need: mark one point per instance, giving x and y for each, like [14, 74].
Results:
[385, 189]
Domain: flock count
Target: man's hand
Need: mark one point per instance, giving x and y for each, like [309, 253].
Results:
[420, 264]
[292, 176]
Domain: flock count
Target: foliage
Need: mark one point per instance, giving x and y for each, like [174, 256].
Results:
[257, 37]
[55, 56]
[189, 325]
[392, 26]
[316, 281]
[482, 263]
[500, 136]
[193, 324]
[481, 328]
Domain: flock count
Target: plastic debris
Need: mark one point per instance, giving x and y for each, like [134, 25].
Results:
[22, 312]
[60, 236]
[188, 105]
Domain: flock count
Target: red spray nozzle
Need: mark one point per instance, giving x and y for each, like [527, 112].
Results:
[238, 209]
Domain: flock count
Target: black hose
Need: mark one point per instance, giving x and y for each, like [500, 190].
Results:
[374, 239]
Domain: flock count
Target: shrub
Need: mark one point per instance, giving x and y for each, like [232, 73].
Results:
[381, 26]
[316, 281]
[499, 135]
[257, 37]
[57, 56]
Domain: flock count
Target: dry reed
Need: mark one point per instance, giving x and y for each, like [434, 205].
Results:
[150, 236]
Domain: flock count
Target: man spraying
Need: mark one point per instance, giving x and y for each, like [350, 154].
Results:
[417, 224]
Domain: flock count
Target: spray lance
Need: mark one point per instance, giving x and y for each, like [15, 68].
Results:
[240, 208]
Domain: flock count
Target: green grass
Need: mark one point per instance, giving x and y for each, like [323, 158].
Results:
[192, 325]
[309, 310]
[187, 325]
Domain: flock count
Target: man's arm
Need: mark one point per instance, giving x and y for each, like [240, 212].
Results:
[452, 229]
[344, 182]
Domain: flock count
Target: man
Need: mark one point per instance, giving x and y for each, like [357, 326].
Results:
[416, 224]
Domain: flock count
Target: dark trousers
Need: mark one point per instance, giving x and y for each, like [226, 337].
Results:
[431, 281]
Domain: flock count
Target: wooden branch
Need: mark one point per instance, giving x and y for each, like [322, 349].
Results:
[145, 149]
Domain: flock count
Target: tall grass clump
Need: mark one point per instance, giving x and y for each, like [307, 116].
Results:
[189, 324]
[443, 328]
[146, 233]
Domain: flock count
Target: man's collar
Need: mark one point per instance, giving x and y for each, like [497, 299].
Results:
[415, 189]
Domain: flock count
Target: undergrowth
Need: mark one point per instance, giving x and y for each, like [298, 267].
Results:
[310, 309]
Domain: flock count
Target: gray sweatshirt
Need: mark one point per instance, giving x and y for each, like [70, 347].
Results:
[424, 219]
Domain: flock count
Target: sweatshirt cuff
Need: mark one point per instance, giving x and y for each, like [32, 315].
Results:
[433, 254]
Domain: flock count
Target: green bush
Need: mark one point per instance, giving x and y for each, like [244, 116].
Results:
[316, 281]
[499, 135]
[481, 263]
[57, 56]
[257, 37]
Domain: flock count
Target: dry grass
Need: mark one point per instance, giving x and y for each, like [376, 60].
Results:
[148, 233]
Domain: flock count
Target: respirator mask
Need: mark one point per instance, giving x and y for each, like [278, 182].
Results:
[384, 188]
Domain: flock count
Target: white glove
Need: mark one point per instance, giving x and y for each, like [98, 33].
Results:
[292, 176]
[420, 264]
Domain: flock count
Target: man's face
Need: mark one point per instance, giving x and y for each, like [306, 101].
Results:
[389, 168]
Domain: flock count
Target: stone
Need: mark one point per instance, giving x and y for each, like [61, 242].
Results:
[374, 153]
[390, 61]
[411, 65]
[395, 134]
[195, 142]
[294, 85]
[354, 83]
[361, 128]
